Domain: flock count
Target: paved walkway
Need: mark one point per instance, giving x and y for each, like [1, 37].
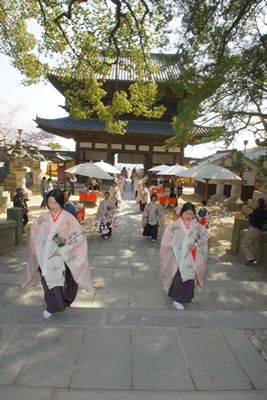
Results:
[125, 340]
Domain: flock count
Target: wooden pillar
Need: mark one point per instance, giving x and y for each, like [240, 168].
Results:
[149, 158]
[77, 151]
[110, 157]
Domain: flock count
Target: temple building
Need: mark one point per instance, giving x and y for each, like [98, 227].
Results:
[142, 143]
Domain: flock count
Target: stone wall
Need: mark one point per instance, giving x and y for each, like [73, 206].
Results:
[11, 229]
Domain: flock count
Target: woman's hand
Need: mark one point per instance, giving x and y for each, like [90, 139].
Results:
[192, 247]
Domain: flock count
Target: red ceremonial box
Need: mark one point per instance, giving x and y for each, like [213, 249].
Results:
[91, 197]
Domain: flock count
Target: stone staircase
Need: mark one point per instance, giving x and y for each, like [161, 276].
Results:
[125, 341]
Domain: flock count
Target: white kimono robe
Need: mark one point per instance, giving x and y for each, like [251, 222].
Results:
[105, 211]
[44, 234]
[174, 252]
[154, 215]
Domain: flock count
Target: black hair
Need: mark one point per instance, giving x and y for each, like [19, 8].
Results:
[261, 202]
[204, 202]
[171, 189]
[188, 206]
[106, 193]
[58, 196]
[66, 190]
[154, 195]
[44, 178]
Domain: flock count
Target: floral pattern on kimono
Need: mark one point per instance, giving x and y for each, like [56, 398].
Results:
[115, 194]
[105, 211]
[44, 241]
[175, 254]
[153, 214]
[143, 196]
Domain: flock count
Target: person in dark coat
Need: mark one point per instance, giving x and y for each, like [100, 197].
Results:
[253, 236]
[68, 205]
[20, 201]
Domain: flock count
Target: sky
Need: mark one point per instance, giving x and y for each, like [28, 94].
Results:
[44, 101]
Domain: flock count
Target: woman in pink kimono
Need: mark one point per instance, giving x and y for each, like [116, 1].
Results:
[153, 217]
[105, 215]
[57, 255]
[183, 256]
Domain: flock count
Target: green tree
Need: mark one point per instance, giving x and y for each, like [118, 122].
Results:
[220, 44]
[54, 146]
[223, 47]
[80, 40]
[260, 159]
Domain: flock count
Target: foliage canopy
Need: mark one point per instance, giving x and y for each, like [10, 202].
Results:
[222, 44]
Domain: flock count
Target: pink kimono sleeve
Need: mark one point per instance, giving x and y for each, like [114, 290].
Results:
[31, 273]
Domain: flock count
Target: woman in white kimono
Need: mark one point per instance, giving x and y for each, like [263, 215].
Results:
[183, 256]
[153, 217]
[121, 182]
[57, 254]
[137, 185]
[142, 197]
[115, 194]
[105, 216]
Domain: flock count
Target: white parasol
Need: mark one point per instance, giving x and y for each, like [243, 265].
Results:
[210, 171]
[177, 170]
[110, 169]
[159, 168]
[90, 170]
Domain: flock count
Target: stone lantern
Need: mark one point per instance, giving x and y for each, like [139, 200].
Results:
[18, 156]
[36, 159]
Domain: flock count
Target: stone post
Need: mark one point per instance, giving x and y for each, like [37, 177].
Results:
[219, 196]
[16, 214]
[234, 203]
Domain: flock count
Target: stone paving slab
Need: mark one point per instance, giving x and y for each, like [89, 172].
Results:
[29, 393]
[212, 363]
[112, 297]
[252, 362]
[122, 273]
[153, 348]
[228, 319]
[147, 299]
[127, 284]
[10, 278]
[15, 294]
[158, 361]
[8, 333]
[110, 261]
[15, 354]
[159, 395]
[104, 360]
[239, 300]
[194, 319]
[235, 272]
[55, 354]
[16, 267]
[101, 273]
[27, 315]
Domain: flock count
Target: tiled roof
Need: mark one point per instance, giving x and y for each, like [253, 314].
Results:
[64, 155]
[149, 127]
[170, 68]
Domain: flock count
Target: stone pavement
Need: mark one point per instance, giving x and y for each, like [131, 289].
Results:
[125, 341]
